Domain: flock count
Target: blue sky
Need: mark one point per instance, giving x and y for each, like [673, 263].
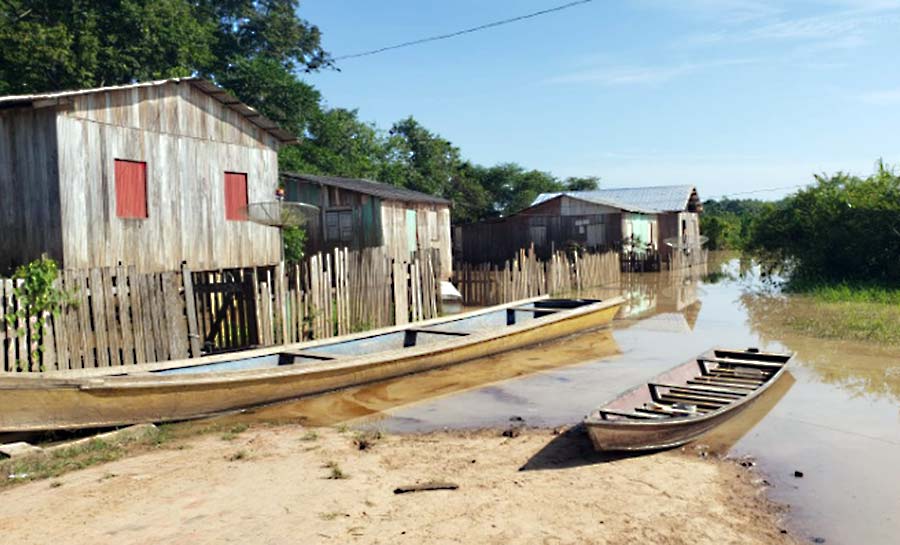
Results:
[731, 95]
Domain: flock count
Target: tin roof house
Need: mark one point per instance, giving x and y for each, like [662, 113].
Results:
[640, 220]
[359, 213]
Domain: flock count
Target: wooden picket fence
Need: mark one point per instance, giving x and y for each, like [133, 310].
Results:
[119, 317]
[526, 276]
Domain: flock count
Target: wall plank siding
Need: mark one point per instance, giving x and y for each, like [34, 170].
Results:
[188, 141]
[29, 194]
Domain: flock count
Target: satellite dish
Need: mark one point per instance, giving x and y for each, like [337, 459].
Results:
[280, 213]
[678, 244]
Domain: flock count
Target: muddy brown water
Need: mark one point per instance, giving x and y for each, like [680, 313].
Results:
[835, 417]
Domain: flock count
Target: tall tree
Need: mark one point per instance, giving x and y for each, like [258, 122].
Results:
[582, 183]
[428, 162]
[48, 45]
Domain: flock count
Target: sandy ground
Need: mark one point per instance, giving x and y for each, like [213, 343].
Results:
[269, 486]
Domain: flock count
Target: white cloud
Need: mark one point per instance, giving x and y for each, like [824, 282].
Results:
[722, 11]
[640, 75]
[834, 29]
[881, 98]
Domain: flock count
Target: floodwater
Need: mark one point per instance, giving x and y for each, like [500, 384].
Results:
[835, 417]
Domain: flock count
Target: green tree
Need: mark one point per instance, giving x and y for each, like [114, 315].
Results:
[424, 161]
[842, 228]
[584, 183]
[339, 144]
[48, 45]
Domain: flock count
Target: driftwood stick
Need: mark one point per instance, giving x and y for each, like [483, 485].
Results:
[425, 486]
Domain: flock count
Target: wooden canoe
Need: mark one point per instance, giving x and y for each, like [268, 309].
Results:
[685, 402]
[179, 390]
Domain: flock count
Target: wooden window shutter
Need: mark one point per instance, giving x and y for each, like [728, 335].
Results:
[236, 196]
[131, 189]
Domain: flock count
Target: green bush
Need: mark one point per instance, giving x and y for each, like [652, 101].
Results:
[842, 229]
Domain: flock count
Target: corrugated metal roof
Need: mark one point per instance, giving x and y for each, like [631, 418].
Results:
[583, 196]
[369, 187]
[666, 198]
[203, 85]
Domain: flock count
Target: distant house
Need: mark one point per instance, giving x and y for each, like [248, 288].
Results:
[640, 220]
[362, 213]
[151, 174]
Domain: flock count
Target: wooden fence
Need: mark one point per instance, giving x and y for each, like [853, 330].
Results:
[119, 317]
[526, 276]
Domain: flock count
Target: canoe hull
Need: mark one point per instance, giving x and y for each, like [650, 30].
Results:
[35, 404]
[632, 435]
[663, 435]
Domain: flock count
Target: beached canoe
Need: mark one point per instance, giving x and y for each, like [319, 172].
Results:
[683, 403]
[178, 390]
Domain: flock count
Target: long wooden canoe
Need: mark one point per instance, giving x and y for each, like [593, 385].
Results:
[178, 390]
[685, 402]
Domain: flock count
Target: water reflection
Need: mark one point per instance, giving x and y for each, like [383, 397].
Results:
[859, 368]
[378, 398]
[722, 439]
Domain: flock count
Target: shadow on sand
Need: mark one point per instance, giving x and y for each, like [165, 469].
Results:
[573, 448]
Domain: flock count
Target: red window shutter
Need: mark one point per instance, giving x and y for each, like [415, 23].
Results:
[235, 196]
[131, 189]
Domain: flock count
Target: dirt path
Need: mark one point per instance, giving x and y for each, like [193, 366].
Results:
[271, 485]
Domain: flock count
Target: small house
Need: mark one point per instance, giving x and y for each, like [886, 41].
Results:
[151, 174]
[359, 213]
[637, 220]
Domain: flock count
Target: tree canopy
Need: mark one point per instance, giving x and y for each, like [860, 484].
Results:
[842, 228]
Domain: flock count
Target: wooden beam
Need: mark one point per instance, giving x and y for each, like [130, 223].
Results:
[626, 414]
[701, 389]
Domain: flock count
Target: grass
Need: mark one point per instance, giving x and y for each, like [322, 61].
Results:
[365, 440]
[336, 472]
[234, 431]
[239, 455]
[851, 320]
[48, 465]
[860, 312]
[58, 462]
[311, 435]
[847, 293]
[838, 311]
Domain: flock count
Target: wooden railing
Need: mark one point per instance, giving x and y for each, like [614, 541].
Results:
[119, 317]
[526, 276]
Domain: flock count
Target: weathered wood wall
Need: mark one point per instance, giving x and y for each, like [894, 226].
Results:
[432, 231]
[496, 241]
[377, 222]
[684, 226]
[29, 193]
[188, 140]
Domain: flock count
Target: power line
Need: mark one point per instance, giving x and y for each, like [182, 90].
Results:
[769, 189]
[465, 31]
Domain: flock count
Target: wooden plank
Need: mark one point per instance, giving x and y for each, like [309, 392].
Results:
[112, 323]
[49, 361]
[191, 310]
[123, 302]
[175, 316]
[155, 317]
[137, 315]
[8, 335]
[22, 356]
[60, 332]
[72, 326]
[98, 306]
[281, 314]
